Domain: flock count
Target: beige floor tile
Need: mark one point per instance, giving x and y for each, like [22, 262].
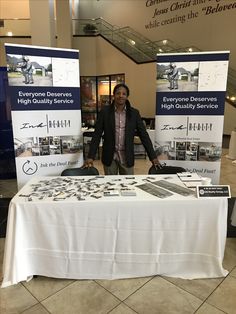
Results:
[9, 187]
[36, 309]
[15, 299]
[229, 261]
[122, 309]
[208, 309]
[224, 296]
[233, 272]
[43, 287]
[98, 165]
[228, 173]
[200, 288]
[85, 297]
[124, 287]
[160, 296]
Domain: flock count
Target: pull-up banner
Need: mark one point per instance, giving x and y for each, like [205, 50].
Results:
[44, 86]
[190, 100]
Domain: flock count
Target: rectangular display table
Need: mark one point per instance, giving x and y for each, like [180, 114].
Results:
[53, 232]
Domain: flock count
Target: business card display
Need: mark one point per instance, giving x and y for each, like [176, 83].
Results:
[213, 191]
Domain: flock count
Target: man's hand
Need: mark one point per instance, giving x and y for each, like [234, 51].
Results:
[88, 163]
[156, 163]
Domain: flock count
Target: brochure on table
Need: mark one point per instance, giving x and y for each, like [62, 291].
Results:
[44, 86]
[190, 98]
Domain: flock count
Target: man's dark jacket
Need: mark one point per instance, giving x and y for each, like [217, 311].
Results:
[105, 128]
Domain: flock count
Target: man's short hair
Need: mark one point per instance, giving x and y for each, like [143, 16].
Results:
[121, 85]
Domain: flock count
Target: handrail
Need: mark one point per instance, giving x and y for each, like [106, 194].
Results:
[140, 49]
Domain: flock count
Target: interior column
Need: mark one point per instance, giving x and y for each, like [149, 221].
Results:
[42, 23]
[64, 23]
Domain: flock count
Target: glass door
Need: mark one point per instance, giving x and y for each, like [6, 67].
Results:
[97, 92]
[106, 85]
[88, 95]
[114, 80]
[104, 91]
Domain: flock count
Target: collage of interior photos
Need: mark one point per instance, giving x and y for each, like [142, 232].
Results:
[51, 145]
[190, 151]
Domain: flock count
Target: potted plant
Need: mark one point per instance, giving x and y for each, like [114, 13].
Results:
[90, 29]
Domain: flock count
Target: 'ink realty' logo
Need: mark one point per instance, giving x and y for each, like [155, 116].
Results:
[189, 126]
[49, 124]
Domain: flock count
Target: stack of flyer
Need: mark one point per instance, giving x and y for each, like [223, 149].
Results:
[190, 179]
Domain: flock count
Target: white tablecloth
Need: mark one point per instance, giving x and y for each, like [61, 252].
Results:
[114, 237]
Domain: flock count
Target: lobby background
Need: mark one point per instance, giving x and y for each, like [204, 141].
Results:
[195, 28]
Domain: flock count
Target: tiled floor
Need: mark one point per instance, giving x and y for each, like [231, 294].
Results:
[159, 295]
[140, 295]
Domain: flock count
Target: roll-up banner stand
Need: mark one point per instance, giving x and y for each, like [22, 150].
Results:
[190, 100]
[44, 86]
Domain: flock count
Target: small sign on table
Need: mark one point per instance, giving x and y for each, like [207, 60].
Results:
[213, 191]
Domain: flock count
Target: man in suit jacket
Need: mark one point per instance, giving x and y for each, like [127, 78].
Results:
[117, 124]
